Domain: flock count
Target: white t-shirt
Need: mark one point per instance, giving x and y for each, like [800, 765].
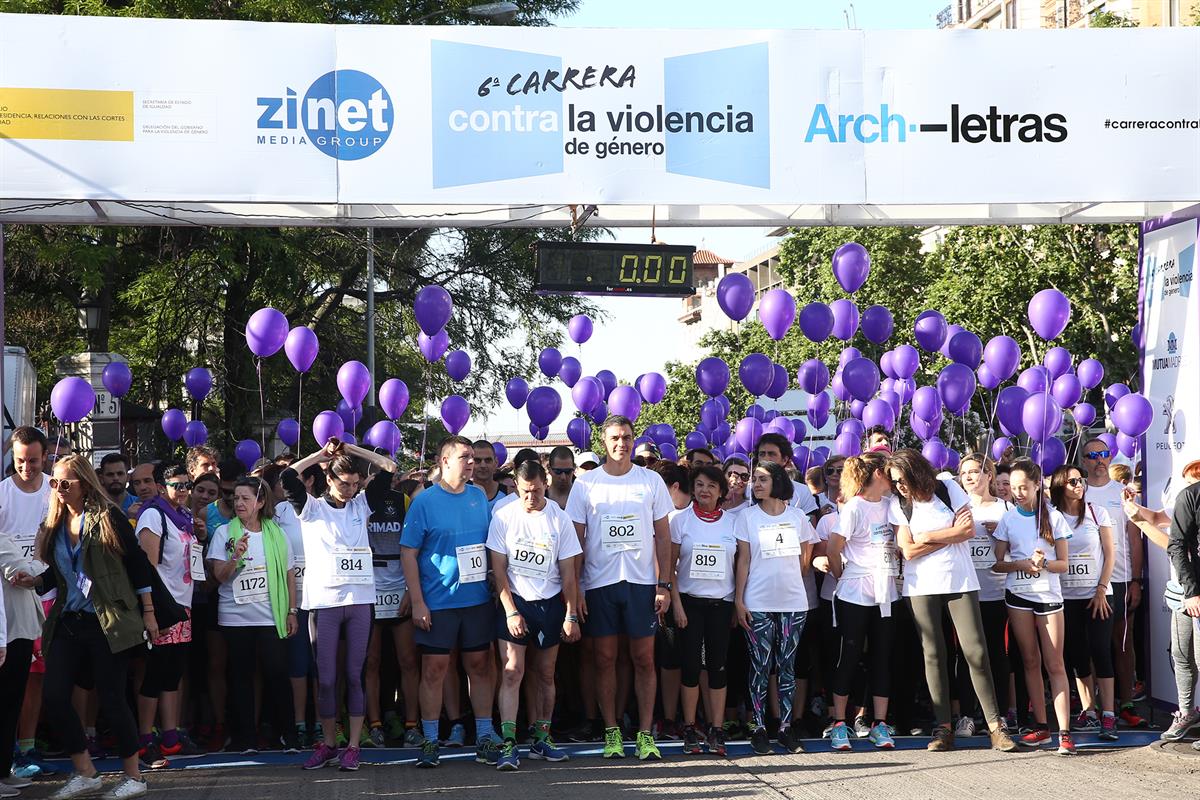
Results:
[870, 554]
[948, 569]
[1021, 532]
[825, 526]
[21, 513]
[774, 582]
[511, 497]
[1111, 498]
[534, 542]
[285, 518]
[709, 548]
[802, 497]
[1085, 556]
[337, 554]
[619, 514]
[991, 584]
[257, 612]
[176, 552]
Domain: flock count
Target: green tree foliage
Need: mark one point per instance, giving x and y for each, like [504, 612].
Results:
[1110, 19]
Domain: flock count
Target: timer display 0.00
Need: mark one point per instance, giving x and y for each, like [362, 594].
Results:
[590, 268]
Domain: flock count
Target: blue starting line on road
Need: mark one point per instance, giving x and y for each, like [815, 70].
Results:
[398, 756]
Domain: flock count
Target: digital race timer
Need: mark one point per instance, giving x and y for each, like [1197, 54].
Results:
[589, 268]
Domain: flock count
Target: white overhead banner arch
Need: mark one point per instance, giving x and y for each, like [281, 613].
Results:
[205, 120]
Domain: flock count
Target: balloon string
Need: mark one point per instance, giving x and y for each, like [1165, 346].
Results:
[300, 414]
[262, 407]
[425, 418]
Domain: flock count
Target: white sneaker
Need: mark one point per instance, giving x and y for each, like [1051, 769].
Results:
[965, 727]
[862, 728]
[8, 791]
[15, 782]
[128, 787]
[78, 786]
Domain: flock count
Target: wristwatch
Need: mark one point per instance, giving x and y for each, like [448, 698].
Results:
[664, 585]
[293, 611]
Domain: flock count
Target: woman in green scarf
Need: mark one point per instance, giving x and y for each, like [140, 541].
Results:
[256, 609]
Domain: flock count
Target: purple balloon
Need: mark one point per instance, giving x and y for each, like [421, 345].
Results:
[351, 415]
[818, 410]
[248, 452]
[288, 431]
[930, 331]
[987, 378]
[845, 319]
[1109, 440]
[669, 452]
[393, 397]
[802, 458]
[780, 425]
[516, 391]
[885, 364]
[838, 387]
[570, 371]
[847, 444]
[349, 438]
[385, 434]
[1035, 380]
[952, 460]
[72, 399]
[819, 455]
[951, 332]
[852, 426]
[1049, 312]
[747, 433]
[266, 332]
[501, 452]
[626, 402]
[893, 400]
[599, 413]
[1003, 356]
[1066, 390]
[587, 393]
[1114, 393]
[580, 433]
[455, 412]
[779, 384]
[1041, 417]
[906, 389]
[1090, 372]
[653, 387]
[816, 322]
[198, 382]
[877, 324]
[999, 446]
[735, 295]
[813, 376]
[544, 405]
[857, 407]
[924, 429]
[117, 378]
[1135, 334]
[432, 307]
[927, 403]
[936, 453]
[608, 382]
[711, 414]
[174, 423]
[538, 433]
[966, 348]
[861, 378]
[906, 361]
[549, 362]
[195, 434]
[301, 348]
[433, 347]
[799, 430]
[712, 376]
[353, 382]
[777, 310]
[328, 425]
[879, 412]
[579, 328]
[1057, 361]
[851, 266]
[722, 433]
[1084, 414]
[1127, 444]
[848, 354]
[1133, 414]
[956, 386]
[1010, 403]
[694, 440]
[756, 373]
[1049, 455]
[458, 365]
[755, 411]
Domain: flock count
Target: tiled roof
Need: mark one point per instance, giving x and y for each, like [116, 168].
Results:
[709, 257]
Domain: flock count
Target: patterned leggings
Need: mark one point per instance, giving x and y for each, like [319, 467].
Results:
[772, 640]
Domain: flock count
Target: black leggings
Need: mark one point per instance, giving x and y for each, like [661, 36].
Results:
[14, 675]
[1088, 640]
[245, 643]
[79, 646]
[164, 669]
[995, 622]
[707, 631]
[860, 626]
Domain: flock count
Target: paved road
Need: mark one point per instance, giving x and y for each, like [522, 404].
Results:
[1141, 772]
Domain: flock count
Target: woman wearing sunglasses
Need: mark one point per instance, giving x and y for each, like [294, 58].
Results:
[165, 533]
[737, 474]
[1086, 588]
[108, 599]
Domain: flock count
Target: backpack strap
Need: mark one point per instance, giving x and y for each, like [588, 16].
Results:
[1092, 511]
[162, 540]
[943, 493]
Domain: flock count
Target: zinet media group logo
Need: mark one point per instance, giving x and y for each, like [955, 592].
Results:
[346, 114]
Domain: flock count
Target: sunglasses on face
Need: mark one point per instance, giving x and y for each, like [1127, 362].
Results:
[562, 470]
[737, 476]
[62, 484]
[184, 485]
[1074, 482]
[833, 471]
[1097, 454]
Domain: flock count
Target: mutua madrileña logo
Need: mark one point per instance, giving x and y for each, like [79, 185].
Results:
[346, 114]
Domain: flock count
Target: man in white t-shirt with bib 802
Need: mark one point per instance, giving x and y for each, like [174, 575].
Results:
[620, 513]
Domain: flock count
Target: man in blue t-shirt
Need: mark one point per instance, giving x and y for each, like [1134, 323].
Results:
[445, 566]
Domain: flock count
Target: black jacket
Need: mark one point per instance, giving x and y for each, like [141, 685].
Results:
[1183, 546]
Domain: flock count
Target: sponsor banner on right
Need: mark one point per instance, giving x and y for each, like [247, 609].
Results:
[1171, 377]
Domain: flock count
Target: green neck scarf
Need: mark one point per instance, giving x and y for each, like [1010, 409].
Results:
[275, 546]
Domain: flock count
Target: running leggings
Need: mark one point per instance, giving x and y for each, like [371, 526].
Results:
[1185, 653]
[928, 611]
[707, 633]
[995, 625]
[772, 640]
[1088, 640]
[325, 627]
[859, 625]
